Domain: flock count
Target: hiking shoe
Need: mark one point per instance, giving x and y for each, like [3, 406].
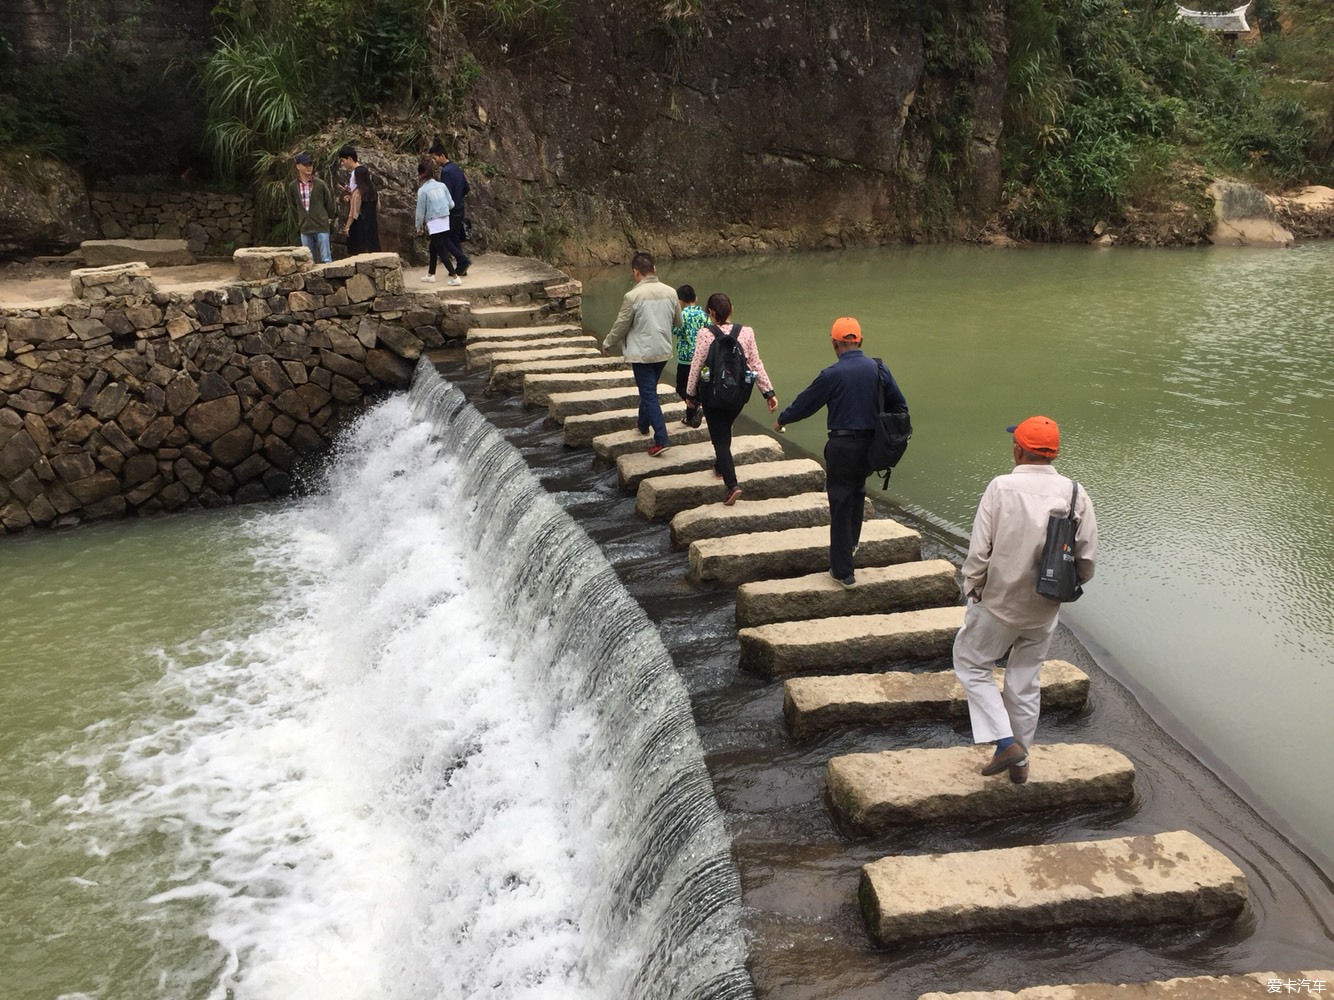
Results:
[657, 449]
[1019, 773]
[456, 280]
[428, 277]
[847, 583]
[1012, 756]
[732, 494]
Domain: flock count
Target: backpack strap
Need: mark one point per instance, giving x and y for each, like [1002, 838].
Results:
[1074, 495]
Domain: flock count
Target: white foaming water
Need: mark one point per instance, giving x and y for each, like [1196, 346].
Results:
[376, 793]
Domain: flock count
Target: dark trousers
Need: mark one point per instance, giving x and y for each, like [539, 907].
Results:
[436, 245]
[720, 433]
[650, 409]
[454, 244]
[846, 469]
[682, 378]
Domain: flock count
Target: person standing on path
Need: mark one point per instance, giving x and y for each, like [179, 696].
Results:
[684, 334]
[642, 334]
[452, 177]
[313, 204]
[433, 204]
[361, 226]
[852, 388]
[720, 420]
[1005, 611]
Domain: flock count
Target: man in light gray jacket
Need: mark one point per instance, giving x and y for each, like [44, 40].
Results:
[642, 334]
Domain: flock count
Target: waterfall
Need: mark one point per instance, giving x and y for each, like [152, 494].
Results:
[669, 887]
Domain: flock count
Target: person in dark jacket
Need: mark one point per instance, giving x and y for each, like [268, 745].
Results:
[851, 388]
[313, 204]
[451, 176]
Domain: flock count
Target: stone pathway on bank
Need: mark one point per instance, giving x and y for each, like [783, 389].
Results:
[854, 659]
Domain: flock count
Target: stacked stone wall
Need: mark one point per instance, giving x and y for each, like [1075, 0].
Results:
[130, 400]
[211, 223]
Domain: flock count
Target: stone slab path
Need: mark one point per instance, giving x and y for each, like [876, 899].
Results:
[848, 644]
[485, 352]
[804, 510]
[508, 376]
[519, 334]
[831, 646]
[563, 405]
[870, 792]
[903, 586]
[538, 388]
[634, 468]
[665, 496]
[582, 428]
[763, 555]
[1311, 984]
[609, 447]
[812, 705]
[1168, 878]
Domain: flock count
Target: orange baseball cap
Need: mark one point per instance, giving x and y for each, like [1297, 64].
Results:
[846, 329]
[1039, 435]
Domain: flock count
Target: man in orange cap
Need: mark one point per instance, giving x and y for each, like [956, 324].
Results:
[1005, 611]
[851, 388]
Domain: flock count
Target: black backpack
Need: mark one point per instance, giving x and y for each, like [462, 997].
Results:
[893, 428]
[725, 381]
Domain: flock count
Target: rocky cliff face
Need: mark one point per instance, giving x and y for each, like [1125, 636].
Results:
[782, 126]
[43, 207]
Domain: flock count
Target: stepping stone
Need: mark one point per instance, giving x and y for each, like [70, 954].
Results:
[537, 389]
[814, 704]
[1169, 878]
[610, 447]
[806, 510]
[507, 317]
[849, 644]
[485, 352]
[633, 469]
[582, 428]
[1249, 986]
[562, 405]
[879, 589]
[764, 554]
[480, 334]
[664, 496]
[547, 354]
[871, 792]
[509, 375]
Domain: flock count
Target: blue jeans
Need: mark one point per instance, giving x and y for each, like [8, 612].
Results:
[650, 410]
[318, 245]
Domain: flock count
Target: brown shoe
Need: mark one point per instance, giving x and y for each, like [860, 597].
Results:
[1013, 755]
[1019, 773]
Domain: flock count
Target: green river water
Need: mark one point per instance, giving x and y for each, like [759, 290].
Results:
[1194, 391]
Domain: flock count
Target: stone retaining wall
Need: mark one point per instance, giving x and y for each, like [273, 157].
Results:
[209, 222]
[131, 400]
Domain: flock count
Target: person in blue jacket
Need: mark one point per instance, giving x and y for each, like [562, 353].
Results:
[851, 389]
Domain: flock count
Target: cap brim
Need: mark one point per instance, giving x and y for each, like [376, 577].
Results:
[1011, 429]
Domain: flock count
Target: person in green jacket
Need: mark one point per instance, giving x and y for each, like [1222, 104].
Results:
[313, 202]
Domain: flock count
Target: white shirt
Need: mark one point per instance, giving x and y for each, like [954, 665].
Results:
[1008, 534]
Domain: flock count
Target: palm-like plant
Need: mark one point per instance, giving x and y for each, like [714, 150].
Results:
[254, 87]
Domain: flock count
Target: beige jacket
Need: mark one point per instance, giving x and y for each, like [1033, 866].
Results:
[642, 332]
[1008, 534]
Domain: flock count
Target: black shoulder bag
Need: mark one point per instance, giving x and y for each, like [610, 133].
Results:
[1057, 577]
[893, 428]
